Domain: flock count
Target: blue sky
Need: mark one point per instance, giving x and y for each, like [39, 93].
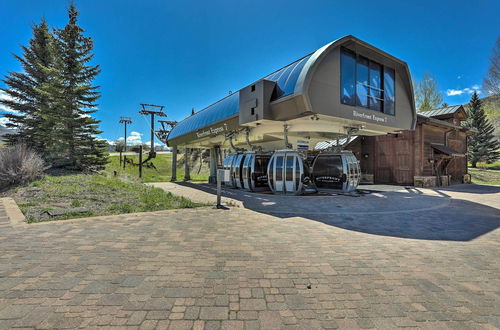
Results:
[185, 54]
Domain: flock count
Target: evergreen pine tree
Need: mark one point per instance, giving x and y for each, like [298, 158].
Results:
[31, 104]
[78, 97]
[482, 146]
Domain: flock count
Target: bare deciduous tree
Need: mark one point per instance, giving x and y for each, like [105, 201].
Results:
[427, 94]
[491, 82]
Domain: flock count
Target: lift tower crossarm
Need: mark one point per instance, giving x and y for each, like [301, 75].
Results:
[166, 127]
[152, 110]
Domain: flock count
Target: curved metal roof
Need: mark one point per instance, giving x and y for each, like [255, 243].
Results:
[290, 80]
[220, 110]
[286, 81]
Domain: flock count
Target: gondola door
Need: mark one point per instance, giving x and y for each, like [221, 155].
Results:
[237, 169]
[278, 173]
[258, 176]
[328, 172]
[353, 173]
[285, 173]
[292, 173]
[247, 171]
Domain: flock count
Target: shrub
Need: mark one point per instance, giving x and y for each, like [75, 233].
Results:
[19, 165]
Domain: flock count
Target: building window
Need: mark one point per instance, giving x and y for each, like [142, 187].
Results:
[348, 70]
[389, 91]
[365, 83]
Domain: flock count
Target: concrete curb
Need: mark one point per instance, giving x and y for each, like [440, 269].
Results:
[14, 214]
[110, 217]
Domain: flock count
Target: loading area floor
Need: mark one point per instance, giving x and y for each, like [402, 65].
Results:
[423, 259]
[460, 212]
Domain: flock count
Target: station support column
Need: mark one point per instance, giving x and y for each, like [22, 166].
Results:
[213, 165]
[174, 164]
[187, 177]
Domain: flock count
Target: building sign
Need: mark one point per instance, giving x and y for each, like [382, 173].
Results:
[212, 131]
[302, 144]
[372, 116]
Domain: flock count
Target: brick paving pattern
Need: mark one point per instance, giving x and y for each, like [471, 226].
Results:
[239, 269]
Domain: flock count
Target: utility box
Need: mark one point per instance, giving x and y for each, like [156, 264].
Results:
[223, 175]
[254, 102]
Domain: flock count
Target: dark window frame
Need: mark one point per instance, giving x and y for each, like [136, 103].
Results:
[368, 87]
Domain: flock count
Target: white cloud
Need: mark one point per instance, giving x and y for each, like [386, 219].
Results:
[156, 143]
[453, 92]
[467, 90]
[3, 122]
[104, 139]
[134, 138]
[5, 96]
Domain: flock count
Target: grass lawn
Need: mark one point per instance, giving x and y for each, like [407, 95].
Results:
[162, 173]
[482, 176]
[99, 194]
[482, 165]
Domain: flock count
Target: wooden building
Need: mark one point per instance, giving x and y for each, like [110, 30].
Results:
[433, 154]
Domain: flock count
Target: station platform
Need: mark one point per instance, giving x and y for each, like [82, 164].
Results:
[380, 210]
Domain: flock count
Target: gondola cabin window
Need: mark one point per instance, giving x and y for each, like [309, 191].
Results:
[366, 83]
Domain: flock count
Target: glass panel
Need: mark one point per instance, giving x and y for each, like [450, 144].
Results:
[389, 106]
[375, 75]
[284, 77]
[292, 79]
[271, 172]
[260, 172]
[237, 167]
[246, 167]
[279, 168]
[228, 161]
[297, 173]
[362, 82]
[375, 99]
[289, 168]
[348, 69]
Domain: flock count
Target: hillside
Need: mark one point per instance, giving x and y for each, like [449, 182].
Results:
[492, 109]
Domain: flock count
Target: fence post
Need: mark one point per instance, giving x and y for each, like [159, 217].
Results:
[124, 161]
[120, 158]
[140, 161]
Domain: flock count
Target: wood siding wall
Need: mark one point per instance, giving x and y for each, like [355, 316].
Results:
[396, 159]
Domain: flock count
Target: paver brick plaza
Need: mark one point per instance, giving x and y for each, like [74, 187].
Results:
[239, 269]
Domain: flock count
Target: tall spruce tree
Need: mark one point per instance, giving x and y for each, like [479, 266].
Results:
[482, 146]
[77, 97]
[27, 98]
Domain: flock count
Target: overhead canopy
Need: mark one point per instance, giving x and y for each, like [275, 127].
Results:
[285, 78]
[442, 149]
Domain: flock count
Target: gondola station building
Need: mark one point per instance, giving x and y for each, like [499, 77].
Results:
[268, 134]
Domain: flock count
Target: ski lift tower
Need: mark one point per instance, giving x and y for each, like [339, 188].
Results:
[125, 121]
[166, 127]
[152, 110]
